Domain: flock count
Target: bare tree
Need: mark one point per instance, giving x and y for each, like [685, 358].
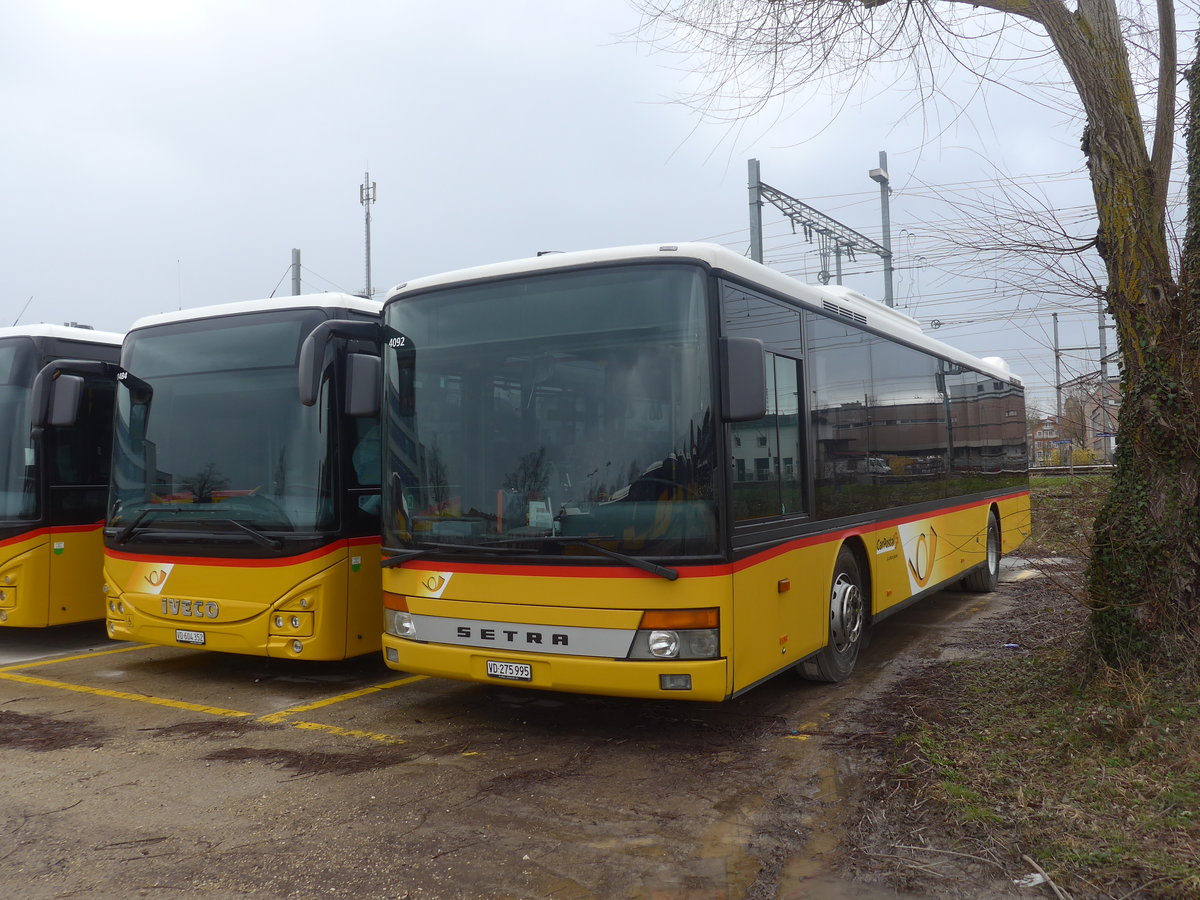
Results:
[1119, 61]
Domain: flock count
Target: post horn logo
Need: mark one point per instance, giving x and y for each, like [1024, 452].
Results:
[923, 558]
[156, 578]
[435, 582]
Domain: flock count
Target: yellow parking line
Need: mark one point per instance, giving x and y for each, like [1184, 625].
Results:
[124, 695]
[62, 659]
[348, 732]
[277, 717]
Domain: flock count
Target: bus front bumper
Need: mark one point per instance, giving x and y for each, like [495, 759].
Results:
[708, 678]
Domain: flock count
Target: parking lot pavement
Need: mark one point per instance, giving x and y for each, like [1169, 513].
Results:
[253, 689]
[21, 644]
[138, 770]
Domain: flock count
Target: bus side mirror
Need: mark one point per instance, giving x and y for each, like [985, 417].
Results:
[364, 377]
[66, 392]
[312, 352]
[745, 385]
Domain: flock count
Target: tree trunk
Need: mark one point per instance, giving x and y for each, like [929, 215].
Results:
[1144, 572]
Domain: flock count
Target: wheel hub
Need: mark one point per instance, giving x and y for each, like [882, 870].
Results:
[845, 613]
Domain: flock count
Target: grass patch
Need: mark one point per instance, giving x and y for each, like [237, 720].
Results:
[1063, 509]
[1028, 754]
[1096, 778]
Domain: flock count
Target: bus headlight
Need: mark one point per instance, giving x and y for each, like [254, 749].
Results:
[399, 623]
[699, 643]
[397, 620]
[664, 644]
[677, 634]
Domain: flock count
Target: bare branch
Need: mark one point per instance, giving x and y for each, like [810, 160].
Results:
[1164, 120]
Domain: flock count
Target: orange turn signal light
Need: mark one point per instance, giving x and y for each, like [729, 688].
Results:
[675, 619]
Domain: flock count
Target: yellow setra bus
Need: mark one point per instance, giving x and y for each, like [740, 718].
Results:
[671, 472]
[239, 519]
[53, 480]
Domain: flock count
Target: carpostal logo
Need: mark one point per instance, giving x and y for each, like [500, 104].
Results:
[436, 583]
[886, 544]
[150, 578]
[924, 555]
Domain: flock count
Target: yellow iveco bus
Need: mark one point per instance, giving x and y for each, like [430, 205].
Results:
[53, 481]
[239, 519]
[671, 472]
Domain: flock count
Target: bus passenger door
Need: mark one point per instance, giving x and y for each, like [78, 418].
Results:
[77, 461]
[777, 621]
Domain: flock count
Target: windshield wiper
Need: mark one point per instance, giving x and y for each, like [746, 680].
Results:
[491, 547]
[127, 532]
[428, 546]
[260, 538]
[636, 561]
[590, 542]
[255, 534]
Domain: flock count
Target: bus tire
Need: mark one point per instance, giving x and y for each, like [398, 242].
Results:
[984, 579]
[847, 623]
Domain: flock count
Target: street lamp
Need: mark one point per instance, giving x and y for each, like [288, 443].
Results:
[881, 175]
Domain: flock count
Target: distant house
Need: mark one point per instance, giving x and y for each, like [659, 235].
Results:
[1044, 435]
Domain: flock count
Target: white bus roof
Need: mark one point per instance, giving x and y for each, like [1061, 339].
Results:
[299, 301]
[63, 332]
[833, 299]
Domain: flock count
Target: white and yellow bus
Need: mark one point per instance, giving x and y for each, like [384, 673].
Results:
[671, 472]
[241, 520]
[53, 480]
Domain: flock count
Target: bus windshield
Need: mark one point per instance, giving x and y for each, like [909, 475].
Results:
[220, 435]
[541, 413]
[18, 484]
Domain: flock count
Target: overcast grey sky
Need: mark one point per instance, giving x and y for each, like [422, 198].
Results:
[164, 155]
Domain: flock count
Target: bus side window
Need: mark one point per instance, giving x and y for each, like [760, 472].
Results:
[839, 360]
[768, 457]
[79, 457]
[367, 461]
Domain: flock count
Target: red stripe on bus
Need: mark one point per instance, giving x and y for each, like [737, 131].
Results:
[706, 571]
[227, 562]
[47, 530]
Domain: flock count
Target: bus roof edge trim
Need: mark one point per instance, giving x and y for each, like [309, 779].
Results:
[835, 299]
[63, 332]
[300, 301]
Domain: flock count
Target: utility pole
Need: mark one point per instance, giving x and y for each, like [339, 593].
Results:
[885, 192]
[1057, 375]
[295, 272]
[756, 236]
[366, 196]
[1105, 420]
